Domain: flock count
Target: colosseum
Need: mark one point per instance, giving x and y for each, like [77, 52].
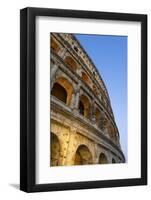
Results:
[83, 128]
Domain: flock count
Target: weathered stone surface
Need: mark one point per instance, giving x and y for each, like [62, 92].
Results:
[83, 129]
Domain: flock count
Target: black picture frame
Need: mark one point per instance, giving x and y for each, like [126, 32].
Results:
[28, 98]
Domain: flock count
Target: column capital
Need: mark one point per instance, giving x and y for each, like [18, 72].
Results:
[77, 89]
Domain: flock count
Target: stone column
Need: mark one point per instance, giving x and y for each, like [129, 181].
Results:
[71, 149]
[75, 100]
[52, 75]
[79, 72]
[72, 100]
[96, 153]
[102, 122]
[93, 112]
[109, 157]
[62, 53]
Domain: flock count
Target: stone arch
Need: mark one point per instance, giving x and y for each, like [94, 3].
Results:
[62, 89]
[84, 106]
[71, 63]
[113, 160]
[112, 133]
[55, 150]
[103, 159]
[97, 116]
[59, 92]
[103, 122]
[95, 90]
[86, 78]
[54, 45]
[83, 156]
[115, 135]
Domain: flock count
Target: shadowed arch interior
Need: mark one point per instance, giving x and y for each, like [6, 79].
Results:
[86, 79]
[95, 90]
[59, 92]
[83, 156]
[63, 90]
[112, 133]
[84, 106]
[97, 116]
[103, 159]
[81, 108]
[71, 63]
[55, 150]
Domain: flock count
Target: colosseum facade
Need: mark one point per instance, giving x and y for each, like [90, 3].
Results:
[83, 128]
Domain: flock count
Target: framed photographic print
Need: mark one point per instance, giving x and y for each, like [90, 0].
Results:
[83, 99]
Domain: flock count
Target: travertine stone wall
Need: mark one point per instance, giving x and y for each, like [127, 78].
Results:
[83, 128]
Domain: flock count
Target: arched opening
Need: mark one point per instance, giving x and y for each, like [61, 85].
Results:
[103, 122]
[71, 63]
[98, 116]
[103, 159]
[81, 108]
[115, 138]
[113, 160]
[95, 90]
[86, 79]
[84, 106]
[112, 133]
[59, 92]
[55, 150]
[54, 45]
[83, 156]
[62, 89]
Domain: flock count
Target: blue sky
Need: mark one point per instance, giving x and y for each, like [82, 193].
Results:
[109, 54]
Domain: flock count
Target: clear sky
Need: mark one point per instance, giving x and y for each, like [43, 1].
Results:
[109, 54]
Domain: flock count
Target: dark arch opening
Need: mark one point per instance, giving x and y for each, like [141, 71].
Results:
[83, 156]
[81, 108]
[103, 159]
[86, 79]
[84, 106]
[59, 92]
[95, 90]
[113, 160]
[71, 63]
[55, 150]
[98, 116]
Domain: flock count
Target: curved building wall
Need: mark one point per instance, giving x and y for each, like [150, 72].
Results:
[83, 129]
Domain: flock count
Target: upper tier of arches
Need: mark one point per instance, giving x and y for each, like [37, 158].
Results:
[73, 64]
